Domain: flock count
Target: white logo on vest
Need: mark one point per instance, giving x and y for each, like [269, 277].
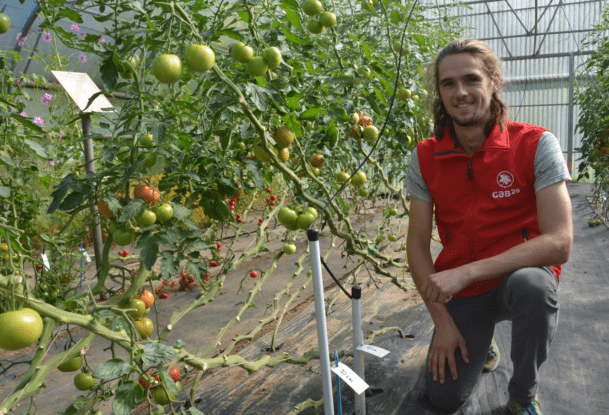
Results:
[505, 179]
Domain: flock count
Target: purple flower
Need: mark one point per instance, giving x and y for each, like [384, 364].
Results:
[23, 114]
[38, 120]
[82, 58]
[51, 163]
[75, 27]
[61, 133]
[18, 36]
[47, 37]
[82, 33]
[102, 40]
[217, 138]
[22, 41]
[46, 99]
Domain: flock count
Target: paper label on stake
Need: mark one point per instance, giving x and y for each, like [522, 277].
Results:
[350, 377]
[86, 255]
[45, 261]
[377, 351]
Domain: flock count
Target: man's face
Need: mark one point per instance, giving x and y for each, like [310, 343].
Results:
[466, 89]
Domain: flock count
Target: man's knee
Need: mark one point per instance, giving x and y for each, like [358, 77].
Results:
[444, 398]
[533, 287]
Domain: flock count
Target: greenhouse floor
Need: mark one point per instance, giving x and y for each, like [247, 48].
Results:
[574, 378]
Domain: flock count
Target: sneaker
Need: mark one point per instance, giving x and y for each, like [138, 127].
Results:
[530, 409]
[492, 359]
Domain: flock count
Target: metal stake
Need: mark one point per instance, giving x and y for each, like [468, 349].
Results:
[358, 340]
[97, 233]
[320, 315]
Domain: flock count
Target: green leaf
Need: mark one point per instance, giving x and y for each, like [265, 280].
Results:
[72, 201]
[5, 191]
[109, 73]
[156, 352]
[133, 208]
[333, 132]
[113, 368]
[420, 39]
[366, 51]
[149, 250]
[230, 33]
[128, 396]
[293, 123]
[70, 14]
[253, 166]
[380, 96]
[292, 37]
[194, 411]
[293, 102]
[7, 161]
[259, 96]
[191, 225]
[169, 265]
[168, 381]
[291, 15]
[181, 212]
[264, 248]
[36, 148]
[311, 114]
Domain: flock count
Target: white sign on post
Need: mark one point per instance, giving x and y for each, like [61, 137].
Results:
[45, 261]
[80, 87]
[86, 255]
[374, 350]
[350, 377]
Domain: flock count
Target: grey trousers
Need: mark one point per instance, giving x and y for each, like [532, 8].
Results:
[529, 299]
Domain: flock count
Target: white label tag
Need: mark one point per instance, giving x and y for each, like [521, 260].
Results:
[86, 255]
[349, 376]
[45, 261]
[377, 351]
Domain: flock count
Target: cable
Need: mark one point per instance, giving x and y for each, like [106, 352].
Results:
[395, 88]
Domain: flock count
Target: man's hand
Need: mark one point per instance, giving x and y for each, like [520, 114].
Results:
[441, 286]
[446, 340]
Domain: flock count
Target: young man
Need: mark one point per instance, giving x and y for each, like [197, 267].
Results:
[504, 219]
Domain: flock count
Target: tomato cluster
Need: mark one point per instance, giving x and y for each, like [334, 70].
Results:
[187, 282]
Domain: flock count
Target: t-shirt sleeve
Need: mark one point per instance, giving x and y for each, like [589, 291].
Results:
[415, 184]
[550, 165]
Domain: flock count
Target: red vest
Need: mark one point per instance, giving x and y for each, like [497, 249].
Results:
[485, 203]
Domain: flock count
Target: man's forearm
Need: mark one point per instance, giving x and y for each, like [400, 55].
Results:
[544, 250]
[421, 266]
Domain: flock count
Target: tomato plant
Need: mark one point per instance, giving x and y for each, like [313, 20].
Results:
[243, 117]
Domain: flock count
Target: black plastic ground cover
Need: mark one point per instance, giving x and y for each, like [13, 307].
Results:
[574, 379]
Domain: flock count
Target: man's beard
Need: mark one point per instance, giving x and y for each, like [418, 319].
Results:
[474, 120]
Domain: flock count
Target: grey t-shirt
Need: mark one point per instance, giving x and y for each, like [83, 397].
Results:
[550, 168]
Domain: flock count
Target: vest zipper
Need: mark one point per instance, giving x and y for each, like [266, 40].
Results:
[469, 169]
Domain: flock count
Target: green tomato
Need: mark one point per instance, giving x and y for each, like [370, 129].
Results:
[256, 66]
[289, 248]
[5, 23]
[199, 58]
[167, 68]
[19, 328]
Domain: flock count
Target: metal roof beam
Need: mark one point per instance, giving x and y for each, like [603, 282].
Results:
[498, 30]
[548, 28]
[544, 33]
[532, 8]
[549, 55]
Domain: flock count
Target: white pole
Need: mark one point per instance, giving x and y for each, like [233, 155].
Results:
[358, 340]
[320, 314]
